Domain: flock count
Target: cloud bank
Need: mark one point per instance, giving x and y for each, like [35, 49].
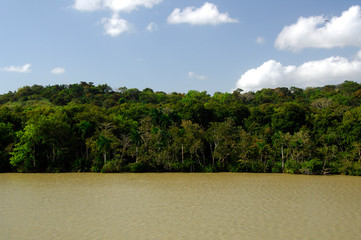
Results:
[208, 14]
[18, 69]
[319, 32]
[272, 74]
[113, 5]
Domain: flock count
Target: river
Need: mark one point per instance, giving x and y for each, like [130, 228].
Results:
[179, 206]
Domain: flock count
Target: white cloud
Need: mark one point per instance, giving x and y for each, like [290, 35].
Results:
[114, 5]
[319, 32]
[58, 71]
[129, 5]
[19, 69]
[207, 14]
[260, 40]
[192, 75]
[115, 26]
[272, 74]
[88, 5]
[152, 27]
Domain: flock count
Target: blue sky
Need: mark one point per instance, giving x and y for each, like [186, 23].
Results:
[180, 45]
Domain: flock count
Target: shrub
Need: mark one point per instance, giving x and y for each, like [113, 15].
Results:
[292, 166]
[111, 167]
[314, 166]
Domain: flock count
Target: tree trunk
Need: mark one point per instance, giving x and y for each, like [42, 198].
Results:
[136, 154]
[105, 157]
[283, 159]
[182, 155]
[54, 155]
[210, 145]
[34, 161]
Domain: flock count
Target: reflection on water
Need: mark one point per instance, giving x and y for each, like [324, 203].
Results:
[179, 206]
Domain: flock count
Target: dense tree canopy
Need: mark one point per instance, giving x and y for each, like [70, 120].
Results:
[83, 127]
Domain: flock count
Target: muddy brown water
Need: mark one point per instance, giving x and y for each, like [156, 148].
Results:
[179, 206]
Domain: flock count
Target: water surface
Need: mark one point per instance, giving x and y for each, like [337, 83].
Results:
[179, 206]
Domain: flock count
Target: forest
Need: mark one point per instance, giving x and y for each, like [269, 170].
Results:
[88, 128]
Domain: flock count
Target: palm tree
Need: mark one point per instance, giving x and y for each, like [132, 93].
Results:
[104, 146]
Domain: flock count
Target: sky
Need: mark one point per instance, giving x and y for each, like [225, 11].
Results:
[180, 45]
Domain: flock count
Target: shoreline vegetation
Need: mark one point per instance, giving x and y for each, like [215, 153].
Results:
[87, 128]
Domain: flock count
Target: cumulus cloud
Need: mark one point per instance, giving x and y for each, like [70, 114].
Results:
[58, 71]
[115, 26]
[88, 5]
[320, 32]
[19, 69]
[207, 14]
[272, 74]
[152, 27]
[192, 75]
[114, 5]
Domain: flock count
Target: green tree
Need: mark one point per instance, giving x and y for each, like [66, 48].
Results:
[23, 156]
[104, 146]
[7, 137]
[289, 117]
[223, 138]
[44, 141]
[280, 141]
[194, 145]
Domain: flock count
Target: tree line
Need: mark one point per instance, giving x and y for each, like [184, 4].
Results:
[83, 127]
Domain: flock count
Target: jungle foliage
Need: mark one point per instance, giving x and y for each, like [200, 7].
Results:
[83, 127]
